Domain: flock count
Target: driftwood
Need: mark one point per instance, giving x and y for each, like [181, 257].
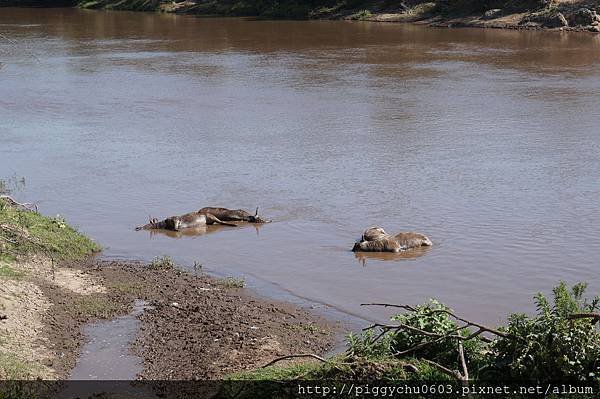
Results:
[18, 205]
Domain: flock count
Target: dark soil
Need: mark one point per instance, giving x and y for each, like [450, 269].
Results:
[196, 327]
[64, 322]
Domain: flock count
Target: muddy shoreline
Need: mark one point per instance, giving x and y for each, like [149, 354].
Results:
[195, 327]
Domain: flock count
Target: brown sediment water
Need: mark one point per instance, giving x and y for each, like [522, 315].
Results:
[486, 141]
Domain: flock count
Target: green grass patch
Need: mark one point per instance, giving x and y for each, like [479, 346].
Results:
[275, 373]
[7, 272]
[231, 282]
[164, 262]
[124, 287]
[24, 233]
[13, 368]
[97, 307]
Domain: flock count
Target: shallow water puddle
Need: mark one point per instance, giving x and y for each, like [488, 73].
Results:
[106, 355]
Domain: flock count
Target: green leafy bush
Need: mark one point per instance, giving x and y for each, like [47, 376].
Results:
[552, 346]
[164, 262]
[560, 343]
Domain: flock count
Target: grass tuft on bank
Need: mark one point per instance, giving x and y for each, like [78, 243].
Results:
[26, 233]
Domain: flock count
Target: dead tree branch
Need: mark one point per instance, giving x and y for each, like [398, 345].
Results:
[594, 316]
[480, 326]
[445, 370]
[463, 362]
[391, 305]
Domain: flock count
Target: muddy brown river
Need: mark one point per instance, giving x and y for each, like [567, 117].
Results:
[487, 141]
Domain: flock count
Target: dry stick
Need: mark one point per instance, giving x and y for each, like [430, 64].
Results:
[476, 333]
[294, 356]
[468, 322]
[445, 370]
[424, 344]
[463, 362]
[402, 326]
[480, 326]
[390, 305]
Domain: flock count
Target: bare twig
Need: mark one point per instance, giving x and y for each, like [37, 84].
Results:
[449, 313]
[424, 344]
[402, 326]
[463, 362]
[445, 370]
[480, 326]
[294, 356]
[391, 305]
[475, 334]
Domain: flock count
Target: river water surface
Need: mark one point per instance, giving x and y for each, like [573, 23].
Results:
[487, 141]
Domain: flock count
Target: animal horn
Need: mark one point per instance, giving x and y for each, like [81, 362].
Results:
[256, 213]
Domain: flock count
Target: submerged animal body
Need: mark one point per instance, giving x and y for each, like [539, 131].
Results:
[189, 220]
[233, 215]
[376, 239]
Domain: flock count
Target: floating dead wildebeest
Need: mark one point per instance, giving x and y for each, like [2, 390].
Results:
[234, 215]
[375, 239]
[203, 217]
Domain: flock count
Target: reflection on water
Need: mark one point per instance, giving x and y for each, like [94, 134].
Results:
[485, 141]
[202, 230]
[363, 257]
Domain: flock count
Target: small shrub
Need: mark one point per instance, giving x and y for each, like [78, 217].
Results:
[232, 282]
[198, 268]
[162, 263]
[364, 345]
[551, 346]
[13, 368]
[362, 15]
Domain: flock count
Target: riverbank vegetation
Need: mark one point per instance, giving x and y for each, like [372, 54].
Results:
[25, 233]
[559, 344]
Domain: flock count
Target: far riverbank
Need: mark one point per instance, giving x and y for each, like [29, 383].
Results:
[571, 15]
